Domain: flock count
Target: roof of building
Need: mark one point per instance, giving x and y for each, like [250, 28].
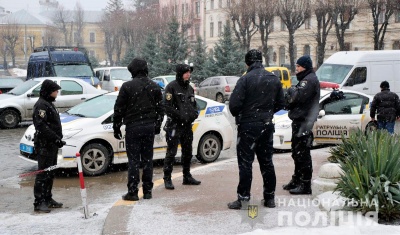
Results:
[88, 16]
[24, 17]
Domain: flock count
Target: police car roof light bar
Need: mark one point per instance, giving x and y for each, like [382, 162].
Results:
[331, 85]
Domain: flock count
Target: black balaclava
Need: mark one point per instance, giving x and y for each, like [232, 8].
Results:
[47, 88]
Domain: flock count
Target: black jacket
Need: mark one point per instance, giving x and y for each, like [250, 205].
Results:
[303, 99]
[46, 121]
[387, 105]
[180, 103]
[257, 96]
[139, 101]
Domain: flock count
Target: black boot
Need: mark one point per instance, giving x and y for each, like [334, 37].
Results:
[236, 205]
[294, 182]
[303, 188]
[53, 204]
[189, 180]
[270, 203]
[147, 195]
[42, 208]
[131, 196]
[168, 183]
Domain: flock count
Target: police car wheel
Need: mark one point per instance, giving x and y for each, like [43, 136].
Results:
[9, 119]
[209, 148]
[220, 98]
[95, 159]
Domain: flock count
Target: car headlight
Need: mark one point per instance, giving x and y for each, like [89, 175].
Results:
[68, 133]
[283, 124]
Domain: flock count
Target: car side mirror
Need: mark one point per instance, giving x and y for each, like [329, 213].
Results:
[30, 95]
[321, 113]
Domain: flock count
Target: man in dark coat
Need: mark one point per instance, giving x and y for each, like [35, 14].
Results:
[303, 106]
[47, 140]
[139, 107]
[386, 104]
[256, 97]
[181, 109]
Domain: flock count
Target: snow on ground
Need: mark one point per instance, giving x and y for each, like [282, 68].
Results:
[18, 72]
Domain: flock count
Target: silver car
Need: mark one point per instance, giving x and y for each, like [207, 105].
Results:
[17, 104]
[218, 88]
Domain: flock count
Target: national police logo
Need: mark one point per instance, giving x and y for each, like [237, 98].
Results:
[42, 113]
[252, 211]
[168, 96]
[303, 83]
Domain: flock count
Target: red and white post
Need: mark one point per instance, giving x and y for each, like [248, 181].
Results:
[83, 189]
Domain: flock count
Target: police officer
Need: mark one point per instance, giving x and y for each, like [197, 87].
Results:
[181, 109]
[139, 107]
[47, 140]
[387, 105]
[256, 97]
[303, 106]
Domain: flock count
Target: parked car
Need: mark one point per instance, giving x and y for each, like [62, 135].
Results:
[111, 78]
[87, 129]
[337, 117]
[164, 80]
[283, 74]
[218, 88]
[17, 104]
[7, 84]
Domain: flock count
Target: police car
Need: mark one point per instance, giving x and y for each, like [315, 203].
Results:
[87, 129]
[340, 112]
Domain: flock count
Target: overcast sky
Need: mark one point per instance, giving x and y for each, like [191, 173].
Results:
[33, 5]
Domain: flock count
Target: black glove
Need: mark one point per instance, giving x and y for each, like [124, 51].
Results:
[117, 134]
[60, 143]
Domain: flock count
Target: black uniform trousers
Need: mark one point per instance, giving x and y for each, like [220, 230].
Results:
[184, 136]
[302, 139]
[44, 180]
[255, 138]
[139, 147]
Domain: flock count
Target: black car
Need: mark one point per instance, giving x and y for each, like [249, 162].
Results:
[7, 84]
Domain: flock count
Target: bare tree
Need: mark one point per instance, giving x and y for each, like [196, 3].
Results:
[381, 11]
[61, 19]
[51, 37]
[323, 12]
[344, 12]
[265, 11]
[10, 34]
[3, 50]
[243, 15]
[79, 15]
[293, 14]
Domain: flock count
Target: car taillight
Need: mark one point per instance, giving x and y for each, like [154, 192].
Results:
[1, 92]
[227, 89]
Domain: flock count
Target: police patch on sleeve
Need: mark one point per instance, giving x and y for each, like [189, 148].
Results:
[303, 83]
[42, 113]
[168, 96]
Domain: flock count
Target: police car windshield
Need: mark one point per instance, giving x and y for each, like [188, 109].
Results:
[95, 107]
[73, 70]
[333, 72]
[120, 74]
[23, 87]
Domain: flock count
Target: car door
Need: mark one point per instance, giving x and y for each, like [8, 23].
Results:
[203, 87]
[214, 88]
[342, 116]
[71, 94]
[30, 98]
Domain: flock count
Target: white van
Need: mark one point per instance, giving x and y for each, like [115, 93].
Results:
[111, 78]
[362, 71]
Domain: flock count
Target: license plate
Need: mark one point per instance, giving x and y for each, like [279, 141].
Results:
[26, 148]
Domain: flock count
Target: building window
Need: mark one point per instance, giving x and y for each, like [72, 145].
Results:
[183, 9]
[75, 37]
[381, 17]
[228, 3]
[271, 25]
[211, 29]
[197, 29]
[92, 37]
[212, 4]
[306, 50]
[219, 28]
[307, 23]
[197, 8]
[347, 46]
[396, 45]
[283, 26]
[219, 3]
[270, 55]
[397, 17]
[281, 55]
[92, 53]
